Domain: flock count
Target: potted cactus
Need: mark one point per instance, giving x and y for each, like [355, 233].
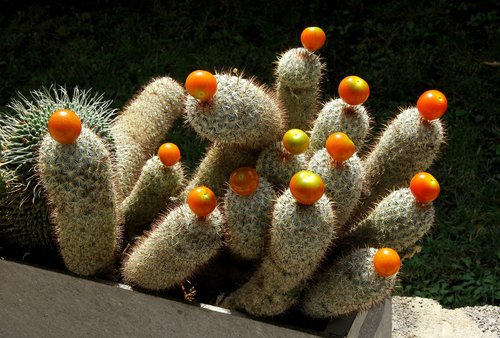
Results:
[287, 216]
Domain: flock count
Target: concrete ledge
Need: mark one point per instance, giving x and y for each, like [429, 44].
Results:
[41, 303]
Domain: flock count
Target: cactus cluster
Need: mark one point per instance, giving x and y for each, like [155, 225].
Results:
[310, 238]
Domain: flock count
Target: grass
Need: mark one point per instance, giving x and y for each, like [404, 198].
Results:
[401, 48]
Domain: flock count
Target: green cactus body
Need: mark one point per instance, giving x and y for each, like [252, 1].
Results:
[407, 146]
[347, 286]
[176, 249]
[398, 222]
[278, 165]
[337, 116]
[241, 113]
[248, 219]
[21, 134]
[298, 74]
[343, 182]
[217, 165]
[78, 179]
[143, 125]
[299, 238]
[24, 222]
[156, 187]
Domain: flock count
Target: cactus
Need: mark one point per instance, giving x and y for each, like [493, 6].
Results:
[78, 179]
[398, 221]
[242, 113]
[142, 125]
[156, 187]
[218, 163]
[298, 74]
[21, 134]
[179, 245]
[335, 116]
[408, 145]
[343, 182]
[347, 286]
[278, 165]
[299, 238]
[248, 219]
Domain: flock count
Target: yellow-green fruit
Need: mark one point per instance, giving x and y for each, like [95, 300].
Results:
[248, 218]
[298, 75]
[217, 165]
[397, 222]
[349, 285]
[343, 182]
[278, 165]
[298, 240]
[337, 116]
[241, 113]
[78, 179]
[142, 126]
[179, 246]
[157, 187]
[407, 146]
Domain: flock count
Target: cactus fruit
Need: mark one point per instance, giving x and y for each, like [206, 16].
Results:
[218, 163]
[298, 75]
[241, 113]
[407, 146]
[248, 219]
[278, 165]
[336, 115]
[398, 221]
[177, 247]
[142, 125]
[157, 186]
[21, 134]
[347, 286]
[343, 183]
[298, 240]
[78, 179]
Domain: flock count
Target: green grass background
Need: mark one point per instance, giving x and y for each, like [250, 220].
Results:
[401, 48]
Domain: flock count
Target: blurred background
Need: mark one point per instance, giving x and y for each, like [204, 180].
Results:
[401, 48]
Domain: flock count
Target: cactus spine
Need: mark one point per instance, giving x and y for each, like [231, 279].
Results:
[407, 146]
[155, 188]
[178, 246]
[298, 74]
[142, 125]
[348, 286]
[398, 221]
[337, 116]
[248, 219]
[241, 113]
[78, 180]
[299, 238]
[343, 182]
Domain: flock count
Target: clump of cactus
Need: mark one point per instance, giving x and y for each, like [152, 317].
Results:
[310, 210]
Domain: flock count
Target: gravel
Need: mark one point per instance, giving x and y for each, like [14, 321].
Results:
[486, 317]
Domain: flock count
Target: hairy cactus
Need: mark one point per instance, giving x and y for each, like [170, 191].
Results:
[343, 182]
[335, 116]
[299, 238]
[348, 286]
[298, 74]
[78, 179]
[407, 146]
[177, 248]
[155, 188]
[248, 219]
[241, 113]
[278, 165]
[142, 126]
[398, 221]
[21, 134]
